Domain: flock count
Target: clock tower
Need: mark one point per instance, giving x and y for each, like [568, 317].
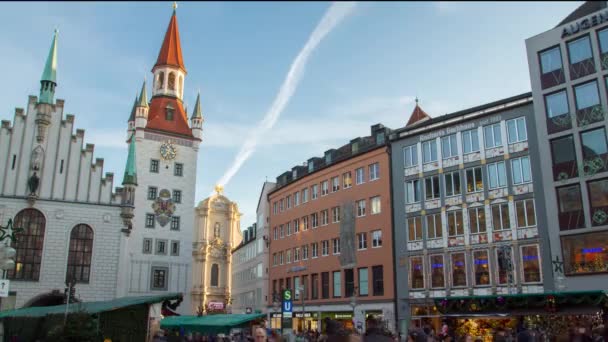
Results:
[157, 255]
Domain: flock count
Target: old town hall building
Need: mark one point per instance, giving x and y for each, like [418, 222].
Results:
[128, 241]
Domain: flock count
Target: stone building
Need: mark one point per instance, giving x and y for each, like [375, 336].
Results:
[217, 231]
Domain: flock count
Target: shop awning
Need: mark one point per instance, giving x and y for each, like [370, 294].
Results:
[89, 307]
[555, 303]
[211, 324]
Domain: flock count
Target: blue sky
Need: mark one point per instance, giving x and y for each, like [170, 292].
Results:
[366, 71]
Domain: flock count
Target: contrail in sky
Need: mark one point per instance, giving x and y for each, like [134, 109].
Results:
[333, 16]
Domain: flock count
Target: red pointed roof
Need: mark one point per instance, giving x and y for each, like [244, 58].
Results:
[171, 51]
[157, 119]
[417, 115]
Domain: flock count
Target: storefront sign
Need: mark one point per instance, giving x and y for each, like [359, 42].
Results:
[585, 24]
[343, 315]
[275, 315]
[296, 269]
[449, 130]
[215, 306]
[305, 315]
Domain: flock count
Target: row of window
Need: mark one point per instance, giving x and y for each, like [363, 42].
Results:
[342, 285]
[153, 194]
[252, 273]
[516, 132]
[474, 269]
[151, 221]
[178, 168]
[301, 197]
[302, 224]
[161, 247]
[29, 247]
[248, 252]
[477, 223]
[580, 56]
[570, 204]
[587, 104]
[301, 253]
[594, 148]
[496, 174]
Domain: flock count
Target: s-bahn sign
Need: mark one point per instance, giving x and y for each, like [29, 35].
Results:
[287, 307]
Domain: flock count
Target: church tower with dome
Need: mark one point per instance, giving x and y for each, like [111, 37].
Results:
[216, 232]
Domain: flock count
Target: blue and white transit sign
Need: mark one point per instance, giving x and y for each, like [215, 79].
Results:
[287, 306]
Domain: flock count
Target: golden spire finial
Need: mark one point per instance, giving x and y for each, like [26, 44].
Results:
[219, 189]
[174, 5]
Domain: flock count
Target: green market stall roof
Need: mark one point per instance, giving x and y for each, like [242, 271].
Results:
[88, 307]
[576, 302]
[212, 324]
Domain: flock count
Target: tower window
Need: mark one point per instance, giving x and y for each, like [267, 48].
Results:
[179, 169]
[169, 113]
[14, 161]
[171, 81]
[61, 167]
[160, 82]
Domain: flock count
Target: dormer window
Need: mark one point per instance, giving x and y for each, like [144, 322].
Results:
[171, 82]
[169, 111]
[380, 139]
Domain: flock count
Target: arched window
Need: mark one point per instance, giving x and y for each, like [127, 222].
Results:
[28, 245]
[215, 275]
[216, 230]
[169, 111]
[171, 82]
[161, 80]
[81, 252]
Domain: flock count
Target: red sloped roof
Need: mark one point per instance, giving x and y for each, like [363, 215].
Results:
[417, 115]
[171, 50]
[157, 119]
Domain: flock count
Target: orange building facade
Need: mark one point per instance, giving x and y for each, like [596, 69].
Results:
[331, 237]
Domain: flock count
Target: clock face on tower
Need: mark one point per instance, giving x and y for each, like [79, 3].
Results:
[168, 151]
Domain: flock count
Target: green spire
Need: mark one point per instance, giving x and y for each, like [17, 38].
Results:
[197, 113]
[130, 176]
[132, 117]
[48, 81]
[143, 96]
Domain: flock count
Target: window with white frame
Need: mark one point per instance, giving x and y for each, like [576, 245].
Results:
[304, 223]
[282, 229]
[452, 183]
[470, 141]
[361, 208]
[431, 187]
[314, 218]
[281, 256]
[281, 204]
[276, 233]
[526, 213]
[374, 203]
[288, 199]
[412, 191]
[296, 197]
[410, 155]
[304, 195]
[362, 241]
[500, 216]
[336, 244]
[347, 180]
[296, 254]
[275, 208]
[437, 271]
[324, 217]
[337, 288]
[325, 247]
[429, 151]
[474, 179]
[360, 175]
[288, 256]
[497, 175]
[374, 171]
[520, 170]
[305, 252]
[477, 220]
[288, 228]
[516, 130]
[417, 272]
[315, 250]
[315, 191]
[449, 147]
[492, 136]
[324, 188]
[335, 213]
[455, 224]
[414, 228]
[530, 261]
[376, 238]
[481, 267]
[434, 228]
[335, 184]
[275, 259]
[296, 226]
[459, 270]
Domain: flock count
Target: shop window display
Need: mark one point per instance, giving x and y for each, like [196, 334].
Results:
[585, 253]
[417, 273]
[437, 271]
[530, 264]
[459, 273]
[482, 267]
